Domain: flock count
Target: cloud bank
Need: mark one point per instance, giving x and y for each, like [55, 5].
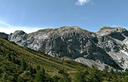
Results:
[82, 2]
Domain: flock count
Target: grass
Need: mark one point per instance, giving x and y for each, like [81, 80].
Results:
[51, 65]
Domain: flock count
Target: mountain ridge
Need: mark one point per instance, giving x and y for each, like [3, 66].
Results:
[21, 64]
[107, 47]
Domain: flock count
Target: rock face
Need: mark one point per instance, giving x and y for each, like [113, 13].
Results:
[108, 47]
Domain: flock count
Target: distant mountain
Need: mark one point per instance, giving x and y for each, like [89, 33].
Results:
[21, 64]
[4, 36]
[105, 48]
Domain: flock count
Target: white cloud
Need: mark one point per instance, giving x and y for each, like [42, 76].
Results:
[7, 28]
[82, 2]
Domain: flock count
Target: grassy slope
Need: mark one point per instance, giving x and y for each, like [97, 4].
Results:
[51, 65]
[10, 69]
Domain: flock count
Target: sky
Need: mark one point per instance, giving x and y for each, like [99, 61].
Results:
[31, 15]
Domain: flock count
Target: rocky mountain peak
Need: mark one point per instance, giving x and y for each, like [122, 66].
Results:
[18, 36]
[111, 30]
[117, 29]
[70, 28]
[19, 32]
[108, 47]
[64, 29]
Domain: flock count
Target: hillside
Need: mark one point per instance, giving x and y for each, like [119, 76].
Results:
[105, 48]
[18, 64]
[13, 55]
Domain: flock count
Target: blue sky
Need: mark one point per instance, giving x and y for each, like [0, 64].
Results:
[31, 15]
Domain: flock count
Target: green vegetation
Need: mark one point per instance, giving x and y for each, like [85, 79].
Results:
[18, 64]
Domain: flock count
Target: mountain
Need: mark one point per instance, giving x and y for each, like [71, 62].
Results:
[20, 64]
[4, 36]
[105, 48]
